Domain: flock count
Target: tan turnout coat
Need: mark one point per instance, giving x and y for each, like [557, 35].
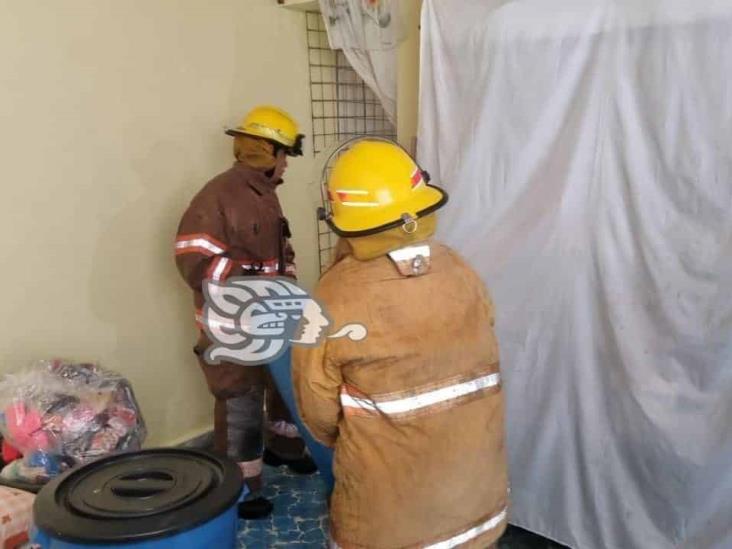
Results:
[414, 411]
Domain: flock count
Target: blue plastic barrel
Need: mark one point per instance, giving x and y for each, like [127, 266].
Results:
[152, 499]
[281, 370]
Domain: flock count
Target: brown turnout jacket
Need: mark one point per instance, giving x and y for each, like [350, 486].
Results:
[414, 411]
[234, 226]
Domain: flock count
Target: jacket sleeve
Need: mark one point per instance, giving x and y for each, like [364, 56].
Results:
[317, 382]
[201, 249]
[290, 267]
[288, 253]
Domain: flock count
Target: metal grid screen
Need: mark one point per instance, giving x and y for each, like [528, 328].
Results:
[342, 106]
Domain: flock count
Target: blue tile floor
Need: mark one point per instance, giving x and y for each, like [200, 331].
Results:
[300, 517]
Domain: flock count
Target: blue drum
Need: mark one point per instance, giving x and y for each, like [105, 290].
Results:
[323, 456]
[151, 499]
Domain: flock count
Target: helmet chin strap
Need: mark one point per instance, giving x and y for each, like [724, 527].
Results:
[412, 260]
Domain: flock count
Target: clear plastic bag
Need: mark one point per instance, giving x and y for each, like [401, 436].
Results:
[59, 414]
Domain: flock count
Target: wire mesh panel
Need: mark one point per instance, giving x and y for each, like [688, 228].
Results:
[342, 106]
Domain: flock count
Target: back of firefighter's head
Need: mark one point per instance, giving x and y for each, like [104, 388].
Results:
[265, 138]
[380, 199]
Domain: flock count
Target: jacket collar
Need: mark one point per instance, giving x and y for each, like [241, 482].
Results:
[256, 179]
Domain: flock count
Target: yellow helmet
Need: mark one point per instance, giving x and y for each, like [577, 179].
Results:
[374, 186]
[273, 124]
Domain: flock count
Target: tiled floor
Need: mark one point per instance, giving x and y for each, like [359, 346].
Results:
[300, 518]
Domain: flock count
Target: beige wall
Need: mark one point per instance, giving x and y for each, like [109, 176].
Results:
[111, 116]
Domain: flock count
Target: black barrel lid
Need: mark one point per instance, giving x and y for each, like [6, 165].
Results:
[137, 496]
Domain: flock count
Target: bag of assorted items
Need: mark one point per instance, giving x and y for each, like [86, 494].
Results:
[57, 415]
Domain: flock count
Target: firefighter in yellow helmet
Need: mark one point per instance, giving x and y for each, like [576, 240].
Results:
[233, 227]
[414, 411]
[273, 125]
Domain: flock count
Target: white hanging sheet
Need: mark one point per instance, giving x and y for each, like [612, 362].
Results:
[587, 149]
[368, 32]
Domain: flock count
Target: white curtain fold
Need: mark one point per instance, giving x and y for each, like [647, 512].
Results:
[368, 32]
[586, 149]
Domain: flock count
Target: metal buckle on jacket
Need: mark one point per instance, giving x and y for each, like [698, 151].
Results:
[412, 260]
